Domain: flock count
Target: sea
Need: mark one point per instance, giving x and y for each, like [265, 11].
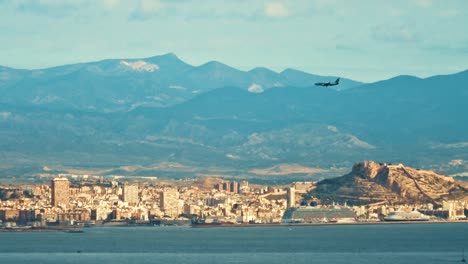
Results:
[384, 243]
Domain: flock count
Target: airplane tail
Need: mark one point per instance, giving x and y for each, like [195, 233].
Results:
[337, 81]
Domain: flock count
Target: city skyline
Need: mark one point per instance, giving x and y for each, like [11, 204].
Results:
[365, 40]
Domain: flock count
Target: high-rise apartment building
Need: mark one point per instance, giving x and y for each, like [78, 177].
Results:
[169, 202]
[130, 194]
[60, 192]
[234, 187]
[291, 197]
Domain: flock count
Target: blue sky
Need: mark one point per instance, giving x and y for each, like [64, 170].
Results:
[365, 40]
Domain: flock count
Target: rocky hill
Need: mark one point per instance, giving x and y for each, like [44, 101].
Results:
[371, 182]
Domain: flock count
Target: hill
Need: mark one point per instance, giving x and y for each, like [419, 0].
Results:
[371, 182]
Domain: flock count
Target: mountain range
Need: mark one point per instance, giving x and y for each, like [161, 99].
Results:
[160, 116]
[124, 84]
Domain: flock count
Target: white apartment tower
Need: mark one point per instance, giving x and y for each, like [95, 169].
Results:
[169, 202]
[130, 194]
[291, 197]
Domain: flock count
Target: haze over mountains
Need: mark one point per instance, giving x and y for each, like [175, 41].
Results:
[160, 116]
[124, 84]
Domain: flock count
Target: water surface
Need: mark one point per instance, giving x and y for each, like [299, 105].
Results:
[405, 243]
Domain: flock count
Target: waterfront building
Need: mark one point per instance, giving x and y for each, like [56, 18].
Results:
[60, 192]
[9, 215]
[291, 197]
[191, 209]
[130, 194]
[27, 216]
[455, 209]
[169, 202]
[78, 215]
[100, 214]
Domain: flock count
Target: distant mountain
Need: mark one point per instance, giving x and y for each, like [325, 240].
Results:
[118, 85]
[230, 131]
[371, 182]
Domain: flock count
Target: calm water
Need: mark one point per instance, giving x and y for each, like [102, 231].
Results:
[415, 243]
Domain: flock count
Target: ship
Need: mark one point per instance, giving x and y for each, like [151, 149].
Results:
[406, 216]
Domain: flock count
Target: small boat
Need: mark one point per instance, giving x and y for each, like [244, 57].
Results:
[74, 231]
[406, 216]
[463, 256]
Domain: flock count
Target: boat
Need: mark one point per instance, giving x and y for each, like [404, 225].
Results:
[73, 230]
[406, 216]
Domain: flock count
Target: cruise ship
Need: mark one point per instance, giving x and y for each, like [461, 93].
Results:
[406, 216]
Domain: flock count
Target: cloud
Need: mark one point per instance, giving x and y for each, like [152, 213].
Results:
[110, 4]
[332, 128]
[146, 9]
[423, 3]
[393, 33]
[49, 7]
[457, 162]
[452, 145]
[255, 88]
[286, 169]
[177, 87]
[255, 139]
[232, 156]
[449, 13]
[5, 115]
[274, 9]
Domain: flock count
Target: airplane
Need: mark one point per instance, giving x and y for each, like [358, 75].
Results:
[329, 83]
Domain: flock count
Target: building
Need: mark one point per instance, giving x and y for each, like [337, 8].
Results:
[26, 216]
[244, 187]
[291, 198]
[234, 187]
[227, 186]
[78, 215]
[130, 194]
[303, 187]
[9, 215]
[60, 192]
[456, 209]
[218, 186]
[169, 202]
[99, 214]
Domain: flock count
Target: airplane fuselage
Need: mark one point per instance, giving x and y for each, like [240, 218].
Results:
[329, 83]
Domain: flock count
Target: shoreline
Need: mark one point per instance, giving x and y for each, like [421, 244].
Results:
[80, 229]
[66, 229]
[328, 224]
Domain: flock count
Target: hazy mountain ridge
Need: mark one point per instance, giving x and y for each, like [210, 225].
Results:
[124, 84]
[419, 122]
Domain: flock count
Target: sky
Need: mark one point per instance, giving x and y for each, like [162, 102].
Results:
[366, 40]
